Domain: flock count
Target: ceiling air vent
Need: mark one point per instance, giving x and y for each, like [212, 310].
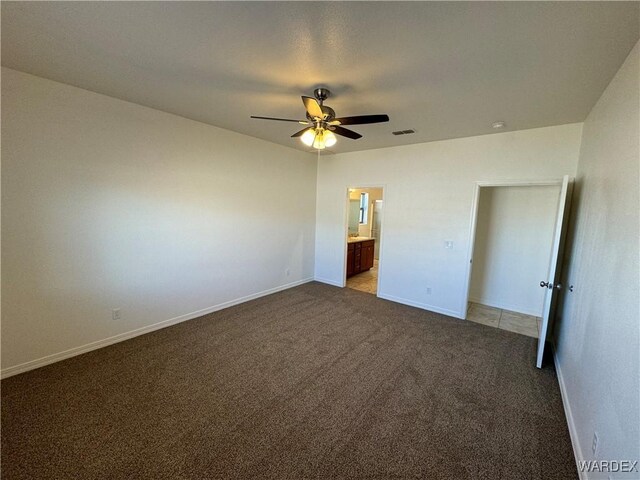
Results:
[403, 132]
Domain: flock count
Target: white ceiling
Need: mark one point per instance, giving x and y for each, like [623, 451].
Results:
[445, 69]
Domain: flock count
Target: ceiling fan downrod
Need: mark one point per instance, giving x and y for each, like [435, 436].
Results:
[321, 94]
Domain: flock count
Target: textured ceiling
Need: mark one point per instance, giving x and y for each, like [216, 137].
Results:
[445, 69]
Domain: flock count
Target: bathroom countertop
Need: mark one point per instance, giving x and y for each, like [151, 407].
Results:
[358, 239]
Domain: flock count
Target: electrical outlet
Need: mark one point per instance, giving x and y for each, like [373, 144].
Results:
[594, 444]
[115, 314]
[428, 290]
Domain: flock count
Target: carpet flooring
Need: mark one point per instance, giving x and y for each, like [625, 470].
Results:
[314, 382]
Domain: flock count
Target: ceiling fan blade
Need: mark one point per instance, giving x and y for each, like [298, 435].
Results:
[313, 107]
[360, 120]
[345, 132]
[301, 132]
[302, 122]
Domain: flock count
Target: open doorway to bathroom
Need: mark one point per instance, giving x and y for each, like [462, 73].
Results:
[364, 233]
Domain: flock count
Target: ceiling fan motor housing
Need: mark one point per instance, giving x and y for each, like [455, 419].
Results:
[329, 114]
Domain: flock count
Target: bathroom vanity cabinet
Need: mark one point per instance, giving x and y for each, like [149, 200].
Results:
[359, 255]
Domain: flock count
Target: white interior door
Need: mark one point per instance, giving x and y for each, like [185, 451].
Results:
[552, 282]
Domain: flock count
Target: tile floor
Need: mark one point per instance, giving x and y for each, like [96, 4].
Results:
[504, 319]
[365, 281]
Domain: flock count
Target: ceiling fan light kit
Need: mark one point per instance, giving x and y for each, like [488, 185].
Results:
[318, 138]
[324, 124]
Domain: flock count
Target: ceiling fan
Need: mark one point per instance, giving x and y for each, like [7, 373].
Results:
[324, 126]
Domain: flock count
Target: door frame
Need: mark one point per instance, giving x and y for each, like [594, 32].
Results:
[474, 220]
[345, 233]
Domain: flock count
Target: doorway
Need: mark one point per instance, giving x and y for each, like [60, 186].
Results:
[512, 250]
[551, 282]
[365, 206]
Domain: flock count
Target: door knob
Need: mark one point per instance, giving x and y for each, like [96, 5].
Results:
[544, 284]
[559, 286]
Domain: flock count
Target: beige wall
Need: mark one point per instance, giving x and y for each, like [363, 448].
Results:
[598, 333]
[428, 196]
[107, 204]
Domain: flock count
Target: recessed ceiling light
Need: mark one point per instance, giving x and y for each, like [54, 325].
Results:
[498, 124]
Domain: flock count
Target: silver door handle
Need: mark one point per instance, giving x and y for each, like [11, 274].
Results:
[559, 286]
[544, 284]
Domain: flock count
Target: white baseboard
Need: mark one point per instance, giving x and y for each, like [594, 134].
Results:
[328, 282]
[505, 306]
[423, 306]
[573, 433]
[72, 352]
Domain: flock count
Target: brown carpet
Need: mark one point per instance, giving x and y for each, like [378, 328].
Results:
[313, 382]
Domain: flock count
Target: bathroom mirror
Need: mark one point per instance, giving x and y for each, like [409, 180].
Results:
[354, 217]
